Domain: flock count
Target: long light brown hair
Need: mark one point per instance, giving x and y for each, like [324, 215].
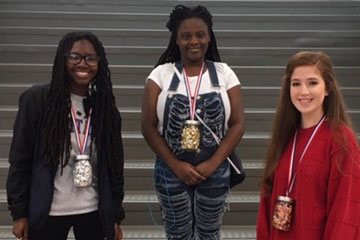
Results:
[287, 118]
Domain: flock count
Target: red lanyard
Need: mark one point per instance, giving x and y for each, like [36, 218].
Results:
[291, 179]
[192, 99]
[82, 144]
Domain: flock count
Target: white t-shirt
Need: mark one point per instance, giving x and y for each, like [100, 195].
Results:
[163, 74]
[68, 199]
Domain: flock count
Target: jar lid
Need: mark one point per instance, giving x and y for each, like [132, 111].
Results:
[285, 199]
[82, 157]
[192, 122]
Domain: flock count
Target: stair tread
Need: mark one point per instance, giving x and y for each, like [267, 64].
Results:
[137, 110]
[150, 196]
[138, 134]
[156, 232]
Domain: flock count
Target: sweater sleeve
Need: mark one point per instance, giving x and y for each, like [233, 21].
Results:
[21, 155]
[344, 192]
[264, 220]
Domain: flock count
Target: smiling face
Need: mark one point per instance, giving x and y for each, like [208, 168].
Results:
[307, 93]
[193, 40]
[81, 73]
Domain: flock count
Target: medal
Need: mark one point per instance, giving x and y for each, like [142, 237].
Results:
[82, 171]
[190, 136]
[285, 206]
[283, 213]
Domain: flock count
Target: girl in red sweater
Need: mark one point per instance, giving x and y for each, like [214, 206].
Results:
[311, 183]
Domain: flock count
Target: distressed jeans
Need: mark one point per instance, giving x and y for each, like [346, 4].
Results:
[192, 212]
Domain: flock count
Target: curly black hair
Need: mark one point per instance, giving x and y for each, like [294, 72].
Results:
[105, 117]
[178, 15]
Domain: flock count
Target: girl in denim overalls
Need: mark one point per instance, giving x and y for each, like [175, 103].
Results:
[190, 83]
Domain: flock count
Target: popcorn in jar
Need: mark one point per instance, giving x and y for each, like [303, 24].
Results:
[82, 172]
[190, 137]
[283, 213]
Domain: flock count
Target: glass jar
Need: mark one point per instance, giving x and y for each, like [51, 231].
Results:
[283, 213]
[82, 172]
[190, 137]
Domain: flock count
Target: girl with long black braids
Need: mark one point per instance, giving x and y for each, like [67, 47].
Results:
[66, 157]
[191, 102]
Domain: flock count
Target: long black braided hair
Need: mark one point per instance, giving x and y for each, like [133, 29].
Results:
[179, 14]
[106, 120]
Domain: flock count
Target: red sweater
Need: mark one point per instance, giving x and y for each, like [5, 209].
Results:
[326, 192]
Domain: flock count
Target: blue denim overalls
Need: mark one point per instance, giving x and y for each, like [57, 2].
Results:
[192, 212]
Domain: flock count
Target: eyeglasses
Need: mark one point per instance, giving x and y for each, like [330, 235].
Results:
[75, 58]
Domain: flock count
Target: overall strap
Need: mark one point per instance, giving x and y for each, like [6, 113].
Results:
[175, 79]
[212, 73]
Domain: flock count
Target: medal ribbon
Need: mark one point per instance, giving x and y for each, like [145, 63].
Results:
[192, 99]
[82, 144]
[291, 179]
